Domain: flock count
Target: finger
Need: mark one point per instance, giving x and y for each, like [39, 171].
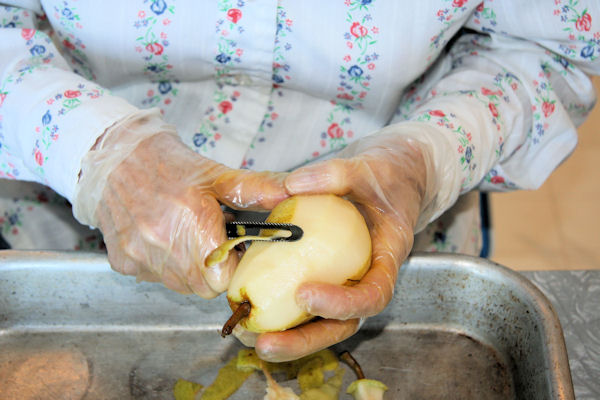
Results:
[249, 190]
[367, 298]
[324, 177]
[303, 340]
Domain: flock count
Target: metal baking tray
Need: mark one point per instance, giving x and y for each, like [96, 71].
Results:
[457, 328]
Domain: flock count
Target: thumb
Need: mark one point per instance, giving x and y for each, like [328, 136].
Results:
[249, 190]
[324, 177]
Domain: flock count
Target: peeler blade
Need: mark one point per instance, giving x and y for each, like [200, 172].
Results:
[237, 229]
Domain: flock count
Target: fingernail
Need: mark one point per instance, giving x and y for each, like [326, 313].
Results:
[303, 300]
[300, 181]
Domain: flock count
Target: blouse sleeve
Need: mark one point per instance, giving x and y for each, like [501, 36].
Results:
[501, 107]
[49, 116]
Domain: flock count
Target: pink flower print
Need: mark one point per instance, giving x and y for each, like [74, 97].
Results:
[239, 52]
[163, 35]
[514, 86]
[349, 44]
[150, 93]
[437, 113]
[345, 96]
[71, 94]
[217, 136]
[375, 30]
[488, 92]
[289, 22]
[234, 15]
[323, 143]
[167, 101]
[2, 97]
[39, 158]
[335, 131]
[142, 14]
[493, 109]
[67, 43]
[27, 33]
[225, 106]
[459, 3]
[358, 31]
[236, 94]
[166, 21]
[350, 134]
[480, 7]
[315, 154]
[548, 108]
[274, 116]
[371, 66]
[584, 23]
[155, 48]
[347, 58]
[497, 179]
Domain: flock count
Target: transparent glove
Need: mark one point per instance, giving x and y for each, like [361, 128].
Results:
[390, 179]
[158, 208]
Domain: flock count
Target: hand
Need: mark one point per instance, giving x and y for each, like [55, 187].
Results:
[160, 214]
[385, 176]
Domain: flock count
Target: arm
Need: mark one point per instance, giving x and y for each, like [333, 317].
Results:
[498, 111]
[50, 116]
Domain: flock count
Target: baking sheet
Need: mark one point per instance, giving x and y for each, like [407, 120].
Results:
[457, 328]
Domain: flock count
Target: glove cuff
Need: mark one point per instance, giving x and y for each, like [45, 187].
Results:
[112, 148]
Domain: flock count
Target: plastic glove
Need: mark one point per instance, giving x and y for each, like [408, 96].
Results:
[158, 208]
[389, 177]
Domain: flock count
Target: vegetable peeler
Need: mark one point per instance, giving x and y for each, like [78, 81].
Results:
[237, 229]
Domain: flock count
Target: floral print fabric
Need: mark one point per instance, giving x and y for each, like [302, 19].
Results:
[275, 84]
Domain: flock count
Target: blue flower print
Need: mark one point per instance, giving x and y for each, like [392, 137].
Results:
[47, 118]
[158, 6]
[67, 13]
[10, 25]
[355, 71]
[164, 87]
[223, 58]
[587, 51]
[155, 68]
[199, 139]
[468, 154]
[37, 50]
[277, 79]
[366, 2]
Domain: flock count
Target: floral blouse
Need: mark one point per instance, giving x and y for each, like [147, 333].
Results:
[275, 84]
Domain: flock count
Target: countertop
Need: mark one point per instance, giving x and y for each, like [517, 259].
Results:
[575, 296]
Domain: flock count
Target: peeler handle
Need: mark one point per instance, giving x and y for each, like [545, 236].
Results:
[240, 228]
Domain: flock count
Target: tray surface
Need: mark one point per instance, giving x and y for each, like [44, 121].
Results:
[458, 328]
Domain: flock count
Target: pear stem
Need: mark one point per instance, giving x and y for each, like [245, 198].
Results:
[240, 313]
[348, 359]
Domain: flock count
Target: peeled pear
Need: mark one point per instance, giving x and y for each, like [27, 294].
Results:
[335, 248]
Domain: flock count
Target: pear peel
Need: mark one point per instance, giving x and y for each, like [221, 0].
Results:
[335, 248]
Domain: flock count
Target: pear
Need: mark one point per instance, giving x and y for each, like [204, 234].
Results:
[335, 248]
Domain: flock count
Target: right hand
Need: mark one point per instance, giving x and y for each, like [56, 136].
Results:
[160, 214]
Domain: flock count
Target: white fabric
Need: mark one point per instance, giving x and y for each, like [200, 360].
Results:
[271, 84]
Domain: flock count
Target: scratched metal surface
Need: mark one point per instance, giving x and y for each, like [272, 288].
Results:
[576, 299]
[457, 328]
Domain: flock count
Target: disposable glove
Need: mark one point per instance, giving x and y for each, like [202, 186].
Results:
[158, 205]
[391, 179]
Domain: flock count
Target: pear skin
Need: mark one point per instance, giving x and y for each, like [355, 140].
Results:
[335, 248]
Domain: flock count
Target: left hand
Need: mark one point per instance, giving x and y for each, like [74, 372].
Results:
[385, 176]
